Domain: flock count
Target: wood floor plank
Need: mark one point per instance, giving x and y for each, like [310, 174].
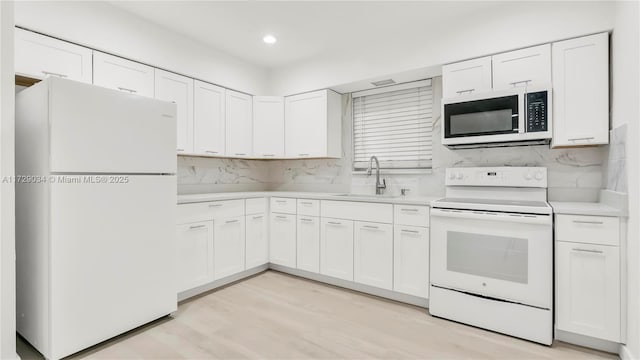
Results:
[278, 316]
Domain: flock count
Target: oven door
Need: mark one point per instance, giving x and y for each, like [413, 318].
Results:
[480, 119]
[499, 255]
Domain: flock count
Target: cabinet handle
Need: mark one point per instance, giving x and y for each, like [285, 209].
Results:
[54, 74]
[303, 154]
[240, 154]
[211, 152]
[306, 220]
[410, 231]
[588, 222]
[281, 201]
[125, 89]
[584, 138]
[257, 217]
[460, 92]
[589, 251]
[196, 226]
[411, 210]
[370, 227]
[269, 155]
[519, 82]
[180, 149]
[280, 217]
[231, 221]
[215, 205]
[334, 223]
[305, 203]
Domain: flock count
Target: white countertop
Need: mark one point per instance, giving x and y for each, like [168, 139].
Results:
[408, 200]
[585, 208]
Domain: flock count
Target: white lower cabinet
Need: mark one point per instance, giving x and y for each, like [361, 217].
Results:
[336, 248]
[308, 243]
[229, 244]
[588, 289]
[282, 240]
[195, 254]
[257, 241]
[411, 260]
[373, 254]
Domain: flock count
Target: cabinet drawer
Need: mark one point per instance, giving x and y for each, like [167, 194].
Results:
[210, 210]
[283, 205]
[362, 211]
[603, 230]
[411, 215]
[256, 206]
[308, 207]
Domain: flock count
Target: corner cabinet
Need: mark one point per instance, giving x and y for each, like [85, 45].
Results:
[268, 127]
[581, 91]
[238, 124]
[313, 125]
[208, 119]
[38, 56]
[466, 77]
[179, 90]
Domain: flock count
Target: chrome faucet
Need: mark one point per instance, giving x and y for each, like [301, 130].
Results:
[379, 186]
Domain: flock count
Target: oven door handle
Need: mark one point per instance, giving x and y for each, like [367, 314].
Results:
[492, 216]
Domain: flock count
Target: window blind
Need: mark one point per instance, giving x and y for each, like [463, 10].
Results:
[394, 125]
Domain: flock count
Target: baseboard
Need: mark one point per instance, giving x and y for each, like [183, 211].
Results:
[625, 353]
[387, 294]
[588, 341]
[221, 282]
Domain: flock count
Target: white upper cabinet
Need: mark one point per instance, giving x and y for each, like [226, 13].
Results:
[38, 56]
[313, 125]
[179, 90]
[581, 91]
[466, 77]
[122, 74]
[209, 119]
[268, 126]
[238, 124]
[522, 67]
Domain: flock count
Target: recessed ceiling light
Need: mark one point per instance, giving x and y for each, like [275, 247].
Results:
[269, 39]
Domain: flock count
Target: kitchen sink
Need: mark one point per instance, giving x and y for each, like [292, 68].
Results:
[369, 196]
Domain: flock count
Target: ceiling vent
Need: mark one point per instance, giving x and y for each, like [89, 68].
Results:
[383, 82]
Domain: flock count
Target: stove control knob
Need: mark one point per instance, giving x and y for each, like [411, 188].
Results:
[528, 176]
[459, 176]
[539, 176]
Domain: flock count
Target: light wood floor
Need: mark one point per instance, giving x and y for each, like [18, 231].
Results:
[277, 316]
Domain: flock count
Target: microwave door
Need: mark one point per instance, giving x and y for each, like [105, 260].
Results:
[490, 116]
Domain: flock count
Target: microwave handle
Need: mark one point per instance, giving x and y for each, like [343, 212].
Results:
[526, 82]
[460, 92]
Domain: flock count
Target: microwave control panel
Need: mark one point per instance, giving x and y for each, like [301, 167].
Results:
[537, 111]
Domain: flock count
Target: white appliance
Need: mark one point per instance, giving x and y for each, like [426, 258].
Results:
[492, 251]
[518, 116]
[95, 214]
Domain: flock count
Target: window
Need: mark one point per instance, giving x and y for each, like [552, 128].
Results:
[395, 124]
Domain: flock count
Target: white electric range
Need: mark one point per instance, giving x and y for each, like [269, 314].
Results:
[492, 251]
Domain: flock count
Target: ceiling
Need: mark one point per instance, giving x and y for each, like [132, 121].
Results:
[304, 29]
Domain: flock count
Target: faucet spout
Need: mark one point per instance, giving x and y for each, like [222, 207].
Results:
[380, 186]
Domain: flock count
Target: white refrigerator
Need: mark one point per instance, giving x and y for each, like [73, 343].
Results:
[95, 214]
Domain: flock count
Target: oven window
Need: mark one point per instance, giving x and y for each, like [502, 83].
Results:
[481, 117]
[496, 257]
[482, 122]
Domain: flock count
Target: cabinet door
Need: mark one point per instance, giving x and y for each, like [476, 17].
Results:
[466, 77]
[268, 126]
[121, 74]
[209, 119]
[522, 67]
[336, 248]
[195, 254]
[308, 244]
[179, 90]
[306, 125]
[373, 254]
[257, 248]
[411, 260]
[282, 240]
[588, 290]
[38, 56]
[228, 246]
[581, 91]
[238, 126]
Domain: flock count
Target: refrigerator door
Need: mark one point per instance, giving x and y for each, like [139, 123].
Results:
[112, 258]
[98, 130]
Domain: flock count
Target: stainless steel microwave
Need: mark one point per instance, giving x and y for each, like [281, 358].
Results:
[518, 116]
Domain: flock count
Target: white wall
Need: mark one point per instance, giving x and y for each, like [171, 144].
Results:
[105, 27]
[505, 26]
[625, 109]
[7, 196]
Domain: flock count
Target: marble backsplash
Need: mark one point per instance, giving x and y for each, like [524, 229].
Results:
[616, 170]
[575, 174]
